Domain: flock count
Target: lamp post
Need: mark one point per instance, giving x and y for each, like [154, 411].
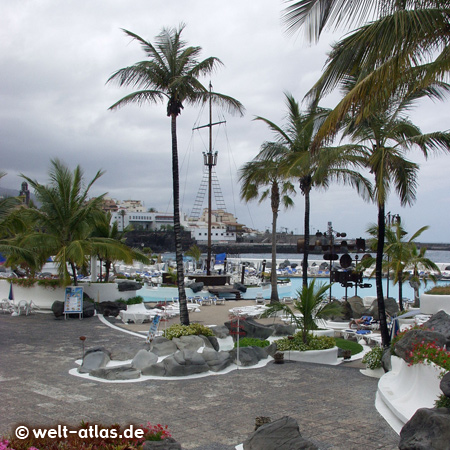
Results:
[330, 233]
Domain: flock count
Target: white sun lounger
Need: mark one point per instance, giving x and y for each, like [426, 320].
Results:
[137, 313]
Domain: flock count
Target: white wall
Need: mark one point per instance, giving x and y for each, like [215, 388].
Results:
[44, 297]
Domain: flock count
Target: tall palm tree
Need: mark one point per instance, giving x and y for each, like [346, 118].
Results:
[404, 49]
[117, 251]
[384, 139]
[64, 223]
[171, 72]
[266, 174]
[311, 169]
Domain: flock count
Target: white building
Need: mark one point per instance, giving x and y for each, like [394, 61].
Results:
[131, 205]
[219, 232]
[148, 221]
[224, 227]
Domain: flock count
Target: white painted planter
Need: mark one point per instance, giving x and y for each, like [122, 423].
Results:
[431, 304]
[374, 373]
[405, 389]
[44, 297]
[328, 356]
[327, 332]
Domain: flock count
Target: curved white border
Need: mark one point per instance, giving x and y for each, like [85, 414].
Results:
[115, 327]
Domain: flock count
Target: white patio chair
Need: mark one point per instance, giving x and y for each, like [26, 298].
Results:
[33, 307]
[8, 306]
[23, 307]
[259, 298]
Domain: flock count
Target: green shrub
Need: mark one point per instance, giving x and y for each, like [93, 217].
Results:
[24, 282]
[442, 402]
[372, 359]
[135, 300]
[313, 343]
[252, 342]
[131, 301]
[345, 344]
[439, 290]
[51, 283]
[194, 329]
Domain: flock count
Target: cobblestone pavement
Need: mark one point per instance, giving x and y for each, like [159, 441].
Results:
[334, 405]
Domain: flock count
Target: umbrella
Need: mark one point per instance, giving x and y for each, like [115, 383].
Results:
[395, 327]
[11, 294]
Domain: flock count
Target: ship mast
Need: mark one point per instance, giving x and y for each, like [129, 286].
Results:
[209, 160]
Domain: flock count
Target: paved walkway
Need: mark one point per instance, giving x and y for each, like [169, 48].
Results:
[334, 406]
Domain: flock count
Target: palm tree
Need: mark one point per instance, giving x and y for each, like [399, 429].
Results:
[265, 174]
[406, 48]
[116, 250]
[384, 139]
[172, 72]
[311, 169]
[8, 205]
[195, 253]
[13, 225]
[64, 223]
[311, 304]
[416, 262]
[402, 256]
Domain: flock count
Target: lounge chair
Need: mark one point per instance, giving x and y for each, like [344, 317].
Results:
[363, 323]
[137, 313]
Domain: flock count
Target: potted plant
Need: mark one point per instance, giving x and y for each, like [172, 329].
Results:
[278, 358]
[435, 299]
[311, 305]
[372, 360]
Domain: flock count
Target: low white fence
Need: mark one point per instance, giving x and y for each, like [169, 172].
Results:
[45, 296]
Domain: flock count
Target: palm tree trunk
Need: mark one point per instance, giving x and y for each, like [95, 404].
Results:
[416, 291]
[306, 248]
[184, 314]
[107, 270]
[385, 338]
[74, 273]
[101, 273]
[400, 290]
[275, 200]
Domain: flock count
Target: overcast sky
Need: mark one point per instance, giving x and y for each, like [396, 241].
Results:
[56, 56]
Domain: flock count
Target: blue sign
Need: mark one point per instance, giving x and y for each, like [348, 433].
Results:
[153, 328]
[73, 300]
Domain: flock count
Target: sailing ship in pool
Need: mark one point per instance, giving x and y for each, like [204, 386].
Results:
[243, 276]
